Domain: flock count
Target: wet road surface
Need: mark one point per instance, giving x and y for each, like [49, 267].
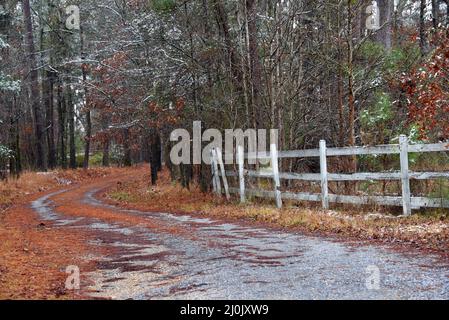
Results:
[166, 256]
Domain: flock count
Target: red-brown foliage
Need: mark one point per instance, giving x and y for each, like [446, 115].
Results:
[427, 91]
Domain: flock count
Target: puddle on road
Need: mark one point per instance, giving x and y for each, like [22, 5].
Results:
[230, 261]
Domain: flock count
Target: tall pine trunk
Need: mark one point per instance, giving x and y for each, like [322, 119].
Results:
[62, 126]
[385, 34]
[435, 20]
[254, 62]
[423, 44]
[41, 159]
[126, 148]
[106, 157]
[48, 87]
[88, 127]
[351, 98]
[155, 159]
[107, 141]
[15, 166]
[71, 123]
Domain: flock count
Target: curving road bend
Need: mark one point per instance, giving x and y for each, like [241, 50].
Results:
[166, 256]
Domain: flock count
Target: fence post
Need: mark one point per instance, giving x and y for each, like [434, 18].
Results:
[223, 173]
[405, 179]
[241, 162]
[214, 183]
[277, 182]
[216, 177]
[323, 172]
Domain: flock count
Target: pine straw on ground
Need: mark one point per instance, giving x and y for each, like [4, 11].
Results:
[13, 191]
[427, 231]
[34, 257]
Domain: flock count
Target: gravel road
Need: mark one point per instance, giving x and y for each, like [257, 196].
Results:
[183, 257]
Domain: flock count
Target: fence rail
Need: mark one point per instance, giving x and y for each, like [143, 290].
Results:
[350, 151]
[406, 200]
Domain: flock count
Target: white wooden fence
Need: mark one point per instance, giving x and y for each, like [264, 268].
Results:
[407, 201]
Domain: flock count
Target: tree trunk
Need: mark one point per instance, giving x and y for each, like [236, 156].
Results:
[62, 126]
[48, 88]
[223, 26]
[254, 62]
[106, 143]
[14, 141]
[435, 18]
[155, 159]
[186, 175]
[87, 139]
[351, 99]
[423, 44]
[88, 127]
[71, 122]
[127, 149]
[384, 35]
[341, 112]
[105, 159]
[41, 159]
[447, 13]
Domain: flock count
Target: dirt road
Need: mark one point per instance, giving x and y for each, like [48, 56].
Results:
[165, 256]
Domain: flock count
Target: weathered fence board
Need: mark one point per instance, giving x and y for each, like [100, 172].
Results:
[406, 200]
[324, 175]
[212, 169]
[350, 151]
[435, 147]
[361, 176]
[276, 180]
[216, 172]
[416, 202]
[223, 172]
[241, 162]
[405, 181]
